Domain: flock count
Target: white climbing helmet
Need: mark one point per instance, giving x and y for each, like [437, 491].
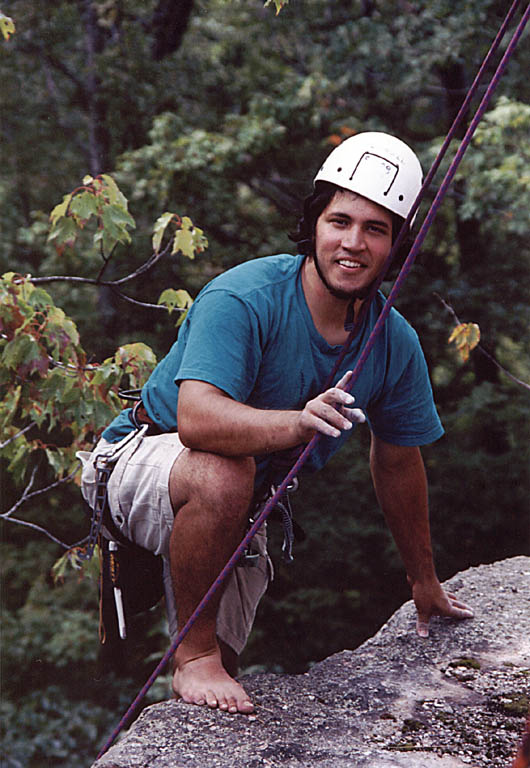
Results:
[377, 166]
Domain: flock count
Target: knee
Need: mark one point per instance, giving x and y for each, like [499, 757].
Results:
[232, 481]
[221, 483]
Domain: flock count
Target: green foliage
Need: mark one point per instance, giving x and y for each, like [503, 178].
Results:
[172, 299]
[159, 229]
[59, 702]
[500, 162]
[187, 239]
[46, 381]
[72, 559]
[101, 198]
[54, 402]
[38, 732]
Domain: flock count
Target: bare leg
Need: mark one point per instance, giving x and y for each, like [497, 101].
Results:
[210, 495]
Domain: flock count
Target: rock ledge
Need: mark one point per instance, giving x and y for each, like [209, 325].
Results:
[458, 699]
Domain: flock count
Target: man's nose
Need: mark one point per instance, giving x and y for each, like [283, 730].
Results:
[353, 238]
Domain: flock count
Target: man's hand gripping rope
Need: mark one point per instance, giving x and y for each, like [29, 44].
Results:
[330, 413]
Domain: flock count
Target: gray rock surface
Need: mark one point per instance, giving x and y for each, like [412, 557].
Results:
[457, 699]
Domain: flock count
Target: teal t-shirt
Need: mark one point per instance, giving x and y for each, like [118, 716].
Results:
[250, 333]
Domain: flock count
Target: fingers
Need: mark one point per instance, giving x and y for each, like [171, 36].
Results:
[331, 412]
[325, 418]
[422, 627]
[341, 383]
[455, 608]
[458, 604]
[355, 415]
[449, 606]
[459, 610]
[422, 622]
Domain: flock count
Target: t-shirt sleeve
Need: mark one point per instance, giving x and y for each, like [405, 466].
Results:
[223, 345]
[405, 413]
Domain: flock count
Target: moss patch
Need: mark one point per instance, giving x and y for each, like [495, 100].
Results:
[469, 663]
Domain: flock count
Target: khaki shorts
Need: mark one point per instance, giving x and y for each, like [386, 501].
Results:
[138, 493]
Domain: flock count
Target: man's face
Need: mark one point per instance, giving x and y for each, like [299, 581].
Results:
[353, 238]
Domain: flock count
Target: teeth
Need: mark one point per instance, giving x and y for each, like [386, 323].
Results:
[347, 263]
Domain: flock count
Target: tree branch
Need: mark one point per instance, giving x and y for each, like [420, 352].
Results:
[149, 264]
[145, 267]
[40, 529]
[143, 303]
[18, 434]
[457, 320]
[29, 494]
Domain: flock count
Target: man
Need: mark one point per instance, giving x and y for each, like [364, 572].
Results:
[242, 385]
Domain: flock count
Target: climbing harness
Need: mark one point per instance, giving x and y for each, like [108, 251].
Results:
[104, 464]
[407, 266]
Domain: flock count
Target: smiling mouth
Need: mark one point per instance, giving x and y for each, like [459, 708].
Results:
[350, 264]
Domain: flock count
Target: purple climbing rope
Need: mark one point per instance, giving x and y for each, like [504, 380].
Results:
[405, 270]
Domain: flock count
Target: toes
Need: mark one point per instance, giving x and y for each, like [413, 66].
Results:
[208, 684]
[211, 699]
[246, 707]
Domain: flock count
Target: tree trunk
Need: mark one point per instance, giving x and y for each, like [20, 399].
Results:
[97, 107]
[169, 23]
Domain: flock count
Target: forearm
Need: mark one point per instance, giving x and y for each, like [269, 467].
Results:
[209, 420]
[229, 428]
[401, 486]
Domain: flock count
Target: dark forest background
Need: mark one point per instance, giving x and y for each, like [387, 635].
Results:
[222, 111]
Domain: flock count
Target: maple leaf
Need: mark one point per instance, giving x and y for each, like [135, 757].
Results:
[466, 336]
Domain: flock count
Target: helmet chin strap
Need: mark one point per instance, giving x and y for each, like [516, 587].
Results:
[352, 296]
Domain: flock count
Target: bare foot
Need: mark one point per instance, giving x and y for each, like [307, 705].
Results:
[205, 681]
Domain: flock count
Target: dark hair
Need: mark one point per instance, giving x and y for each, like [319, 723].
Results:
[313, 206]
